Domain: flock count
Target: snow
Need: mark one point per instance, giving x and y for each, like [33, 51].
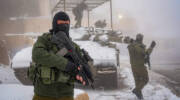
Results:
[16, 92]
[22, 58]
[101, 55]
[20, 92]
[7, 75]
[104, 38]
[153, 91]
[124, 54]
[78, 92]
[92, 37]
[11, 89]
[77, 33]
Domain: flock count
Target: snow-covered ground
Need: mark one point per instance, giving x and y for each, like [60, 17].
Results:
[20, 92]
[15, 92]
[11, 89]
[7, 76]
[153, 90]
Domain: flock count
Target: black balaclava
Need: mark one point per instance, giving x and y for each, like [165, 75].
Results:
[139, 38]
[61, 27]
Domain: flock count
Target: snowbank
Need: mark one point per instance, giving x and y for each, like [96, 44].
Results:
[7, 76]
[20, 92]
[22, 58]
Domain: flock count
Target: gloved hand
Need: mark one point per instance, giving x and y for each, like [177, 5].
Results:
[80, 77]
[71, 67]
[153, 44]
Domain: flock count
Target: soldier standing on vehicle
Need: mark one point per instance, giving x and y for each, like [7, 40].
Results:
[53, 72]
[78, 13]
[137, 52]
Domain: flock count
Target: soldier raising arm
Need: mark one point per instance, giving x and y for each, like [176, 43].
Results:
[137, 51]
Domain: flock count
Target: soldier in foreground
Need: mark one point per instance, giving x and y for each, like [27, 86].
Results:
[138, 53]
[57, 63]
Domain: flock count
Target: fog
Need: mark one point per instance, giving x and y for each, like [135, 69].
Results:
[17, 8]
[158, 20]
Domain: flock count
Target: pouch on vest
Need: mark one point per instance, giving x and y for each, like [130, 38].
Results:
[47, 75]
[63, 77]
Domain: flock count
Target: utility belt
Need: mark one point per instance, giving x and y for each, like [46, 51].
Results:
[47, 75]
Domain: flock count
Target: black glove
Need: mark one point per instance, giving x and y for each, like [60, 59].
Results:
[81, 78]
[77, 71]
[70, 67]
[153, 44]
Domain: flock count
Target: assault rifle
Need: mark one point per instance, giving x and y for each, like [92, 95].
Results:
[147, 60]
[86, 56]
[60, 39]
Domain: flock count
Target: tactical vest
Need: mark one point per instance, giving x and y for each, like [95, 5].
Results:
[49, 75]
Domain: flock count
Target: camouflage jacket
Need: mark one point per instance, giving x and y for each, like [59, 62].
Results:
[44, 56]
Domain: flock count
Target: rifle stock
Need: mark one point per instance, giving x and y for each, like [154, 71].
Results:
[147, 61]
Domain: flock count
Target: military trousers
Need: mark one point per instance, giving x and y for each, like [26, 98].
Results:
[141, 78]
[36, 97]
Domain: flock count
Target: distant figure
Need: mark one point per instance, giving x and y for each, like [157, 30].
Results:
[78, 13]
[100, 24]
[127, 40]
[138, 52]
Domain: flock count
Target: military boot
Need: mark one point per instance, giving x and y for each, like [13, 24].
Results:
[138, 94]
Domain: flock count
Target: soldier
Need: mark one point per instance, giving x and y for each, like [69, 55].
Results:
[52, 71]
[137, 52]
[100, 24]
[78, 13]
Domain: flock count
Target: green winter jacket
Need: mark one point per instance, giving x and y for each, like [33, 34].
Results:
[137, 52]
[44, 56]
